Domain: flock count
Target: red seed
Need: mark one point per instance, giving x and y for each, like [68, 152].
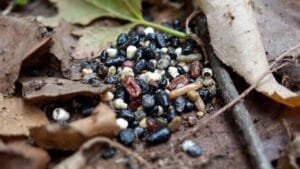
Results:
[133, 105]
[128, 63]
[182, 79]
[132, 87]
[151, 124]
[195, 69]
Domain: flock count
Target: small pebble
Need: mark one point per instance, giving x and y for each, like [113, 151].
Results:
[119, 104]
[148, 30]
[139, 115]
[150, 76]
[115, 61]
[138, 131]
[108, 153]
[204, 94]
[107, 96]
[162, 99]
[112, 70]
[111, 80]
[163, 63]
[126, 114]
[200, 114]
[159, 136]
[162, 122]
[111, 52]
[191, 121]
[126, 137]
[151, 124]
[130, 51]
[126, 71]
[148, 101]
[122, 123]
[60, 114]
[178, 51]
[143, 123]
[122, 38]
[173, 71]
[191, 148]
[86, 71]
[164, 50]
[175, 123]
[179, 104]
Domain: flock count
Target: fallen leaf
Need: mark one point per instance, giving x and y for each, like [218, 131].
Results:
[20, 37]
[63, 44]
[71, 136]
[50, 88]
[20, 155]
[73, 11]
[83, 156]
[17, 116]
[238, 44]
[94, 39]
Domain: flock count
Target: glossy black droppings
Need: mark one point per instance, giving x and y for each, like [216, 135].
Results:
[126, 114]
[108, 153]
[159, 136]
[114, 61]
[162, 98]
[148, 101]
[111, 80]
[179, 104]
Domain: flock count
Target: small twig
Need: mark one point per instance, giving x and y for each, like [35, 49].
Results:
[124, 149]
[193, 36]
[9, 8]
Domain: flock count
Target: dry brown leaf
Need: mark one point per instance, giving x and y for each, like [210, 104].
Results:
[20, 37]
[71, 136]
[17, 116]
[63, 44]
[81, 158]
[47, 88]
[20, 155]
[238, 44]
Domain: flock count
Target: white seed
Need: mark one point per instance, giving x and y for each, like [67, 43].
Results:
[143, 123]
[127, 71]
[173, 71]
[111, 52]
[148, 76]
[147, 43]
[122, 123]
[130, 51]
[60, 114]
[178, 51]
[187, 144]
[107, 96]
[111, 71]
[160, 71]
[119, 104]
[164, 50]
[207, 72]
[86, 71]
[148, 30]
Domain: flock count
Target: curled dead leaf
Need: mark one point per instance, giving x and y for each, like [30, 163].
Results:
[17, 116]
[20, 37]
[48, 88]
[71, 136]
[21, 155]
[238, 44]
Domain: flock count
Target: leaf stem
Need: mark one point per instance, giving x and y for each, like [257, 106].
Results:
[163, 28]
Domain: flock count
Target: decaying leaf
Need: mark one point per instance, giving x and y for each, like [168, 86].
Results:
[81, 158]
[71, 136]
[21, 155]
[17, 116]
[63, 44]
[96, 38]
[73, 11]
[238, 44]
[20, 38]
[50, 88]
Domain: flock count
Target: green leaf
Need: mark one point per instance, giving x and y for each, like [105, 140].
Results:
[125, 9]
[96, 38]
[21, 2]
[73, 11]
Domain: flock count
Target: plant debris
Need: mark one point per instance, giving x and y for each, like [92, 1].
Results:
[55, 136]
[18, 116]
[20, 38]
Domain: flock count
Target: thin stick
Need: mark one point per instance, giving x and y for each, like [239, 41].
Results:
[9, 8]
